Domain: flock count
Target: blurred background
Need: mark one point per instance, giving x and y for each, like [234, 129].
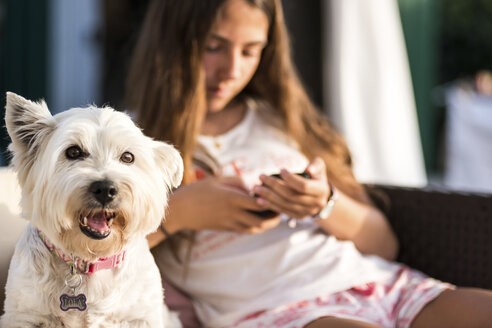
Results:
[407, 81]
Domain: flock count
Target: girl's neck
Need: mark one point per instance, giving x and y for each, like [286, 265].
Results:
[224, 120]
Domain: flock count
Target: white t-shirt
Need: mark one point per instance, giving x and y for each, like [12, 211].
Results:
[233, 274]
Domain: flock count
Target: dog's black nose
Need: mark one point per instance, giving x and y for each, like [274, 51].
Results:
[104, 191]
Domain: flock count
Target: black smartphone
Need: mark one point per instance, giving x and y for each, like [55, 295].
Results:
[268, 214]
[305, 175]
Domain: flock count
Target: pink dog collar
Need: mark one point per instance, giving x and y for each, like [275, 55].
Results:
[83, 266]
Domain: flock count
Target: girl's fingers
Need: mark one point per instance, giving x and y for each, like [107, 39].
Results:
[294, 195]
[280, 192]
[273, 201]
[279, 187]
[313, 186]
[253, 223]
[266, 224]
[317, 168]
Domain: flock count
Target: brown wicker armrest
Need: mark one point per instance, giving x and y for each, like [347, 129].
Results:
[447, 235]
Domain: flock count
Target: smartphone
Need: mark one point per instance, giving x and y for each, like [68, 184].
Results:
[305, 175]
[268, 214]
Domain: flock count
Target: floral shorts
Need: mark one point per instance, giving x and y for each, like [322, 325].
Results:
[391, 303]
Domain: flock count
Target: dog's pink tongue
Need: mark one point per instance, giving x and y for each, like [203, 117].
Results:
[98, 221]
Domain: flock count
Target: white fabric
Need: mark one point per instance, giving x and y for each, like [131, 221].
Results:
[468, 140]
[11, 223]
[371, 96]
[232, 275]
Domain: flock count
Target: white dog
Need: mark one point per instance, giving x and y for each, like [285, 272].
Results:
[93, 186]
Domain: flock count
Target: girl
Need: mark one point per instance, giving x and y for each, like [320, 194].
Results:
[215, 78]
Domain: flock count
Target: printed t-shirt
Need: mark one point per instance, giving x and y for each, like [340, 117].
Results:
[231, 275]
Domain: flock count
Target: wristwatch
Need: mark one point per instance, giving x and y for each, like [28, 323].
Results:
[328, 208]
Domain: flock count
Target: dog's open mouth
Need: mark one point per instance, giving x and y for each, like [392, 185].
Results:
[97, 224]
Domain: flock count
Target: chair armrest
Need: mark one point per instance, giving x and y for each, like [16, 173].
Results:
[447, 235]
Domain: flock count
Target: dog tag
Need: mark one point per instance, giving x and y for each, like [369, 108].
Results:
[68, 302]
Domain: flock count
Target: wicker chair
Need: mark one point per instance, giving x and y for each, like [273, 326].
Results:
[447, 235]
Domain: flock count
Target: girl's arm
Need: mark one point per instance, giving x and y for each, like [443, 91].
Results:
[213, 203]
[362, 223]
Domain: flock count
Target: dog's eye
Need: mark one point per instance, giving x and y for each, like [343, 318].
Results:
[74, 152]
[127, 157]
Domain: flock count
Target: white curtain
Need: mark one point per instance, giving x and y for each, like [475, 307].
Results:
[75, 54]
[370, 92]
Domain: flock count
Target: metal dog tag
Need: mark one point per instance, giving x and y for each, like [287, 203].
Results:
[68, 302]
[73, 281]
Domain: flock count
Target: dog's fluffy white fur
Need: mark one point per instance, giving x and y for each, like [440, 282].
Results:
[56, 195]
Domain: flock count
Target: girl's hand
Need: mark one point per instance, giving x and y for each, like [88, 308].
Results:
[294, 195]
[216, 203]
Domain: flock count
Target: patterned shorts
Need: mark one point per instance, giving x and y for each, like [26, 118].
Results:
[391, 303]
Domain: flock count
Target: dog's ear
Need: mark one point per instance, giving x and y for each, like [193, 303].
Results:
[169, 160]
[26, 121]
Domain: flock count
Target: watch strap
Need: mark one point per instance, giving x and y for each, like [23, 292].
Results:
[325, 212]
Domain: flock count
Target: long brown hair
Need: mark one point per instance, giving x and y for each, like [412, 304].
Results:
[166, 85]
